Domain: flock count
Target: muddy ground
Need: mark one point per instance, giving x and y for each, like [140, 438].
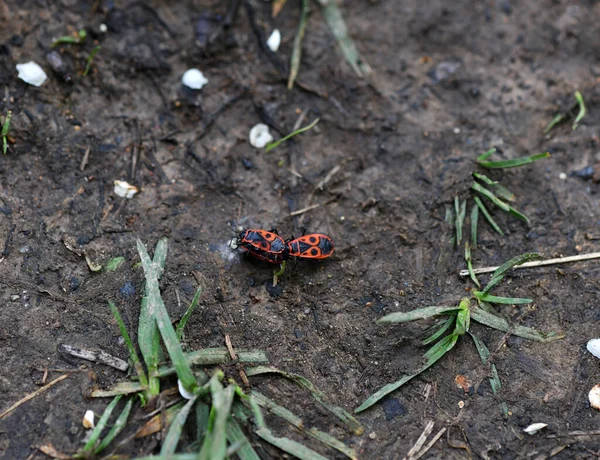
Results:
[450, 80]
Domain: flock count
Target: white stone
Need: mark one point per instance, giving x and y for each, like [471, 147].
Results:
[125, 189]
[32, 73]
[594, 397]
[194, 79]
[274, 40]
[260, 136]
[534, 428]
[593, 346]
[88, 419]
[562, 176]
[103, 28]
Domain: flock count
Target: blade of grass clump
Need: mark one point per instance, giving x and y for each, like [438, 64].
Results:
[469, 262]
[157, 308]
[148, 333]
[484, 354]
[211, 356]
[139, 369]
[88, 63]
[498, 202]
[501, 271]
[215, 441]
[441, 348]
[463, 318]
[297, 49]
[335, 21]
[97, 431]
[5, 128]
[460, 210]
[495, 322]
[419, 313]
[236, 435]
[504, 193]
[447, 324]
[296, 421]
[474, 222]
[319, 396]
[485, 179]
[170, 442]
[487, 216]
[559, 118]
[501, 300]
[121, 388]
[582, 110]
[70, 40]
[272, 145]
[202, 411]
[188, 313]
[485, 155]
[515, 162]
[287, 445]
[117, 427]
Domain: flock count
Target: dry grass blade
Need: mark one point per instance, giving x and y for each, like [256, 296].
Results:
[277, 6]
[33, 395]
[337, 25]
[419, 313]
[297, 49]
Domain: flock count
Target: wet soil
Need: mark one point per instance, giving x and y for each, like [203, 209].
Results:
[451, 79]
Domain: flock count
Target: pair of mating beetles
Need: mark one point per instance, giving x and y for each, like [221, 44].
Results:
[269, 246]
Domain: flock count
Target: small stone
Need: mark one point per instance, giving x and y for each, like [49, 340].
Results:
[372, 435]
[32, 73]
[456, 130]
[274, 40]
[260, 136]
[562, 176]
[15, 297]
[194, 79]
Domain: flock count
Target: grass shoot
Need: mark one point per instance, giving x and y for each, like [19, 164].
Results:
[5, 128]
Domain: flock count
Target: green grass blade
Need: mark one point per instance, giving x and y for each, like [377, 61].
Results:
[559, 118]
[211, 356]
[484, 354]
[485, 179]
[88, 62]
[419, 313]
[495, 380]
[297, 49]
[498, 202]
[215, 441]
[474, 221]
[447, 324]
[441, 348]
[501, 271]
[272, 145]
[487, 215]
[504, 193]
[470, 262]
[202, 411]
[501, 300]
[296, 421]
[139, 369]
[117, 427]
[335, 21]
[89, 446]
[582, 110]
[236, 435]
[6, 123]
[495, 322]
[188, 313]
[485, 155]
[515, 162]
[463, 318]
[319, 396]
[448, 344]
[157, 309]
[114, 263]
[288, 445]
[170, 442]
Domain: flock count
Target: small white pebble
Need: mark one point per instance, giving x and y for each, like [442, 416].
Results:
[260, 136]
[88, 419]
[343, 218]
[534, 428]
[274, 40]
[593, 346]
[372, 435]
[594, 397]
[183, 392]
[103, 28]
[456, 130]
[125, 189]
[233, 243]
[461, 404]
[194, 79]
[562, 176]
[32, 73]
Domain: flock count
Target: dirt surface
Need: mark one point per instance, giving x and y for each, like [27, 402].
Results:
[450, 80]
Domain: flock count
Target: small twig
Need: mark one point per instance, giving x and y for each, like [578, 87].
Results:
[230, 347]
[431, 443]
[421, 441]
[328, 177]
[32, 395]
[84, 160]
[302, 211]
[538, 263]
